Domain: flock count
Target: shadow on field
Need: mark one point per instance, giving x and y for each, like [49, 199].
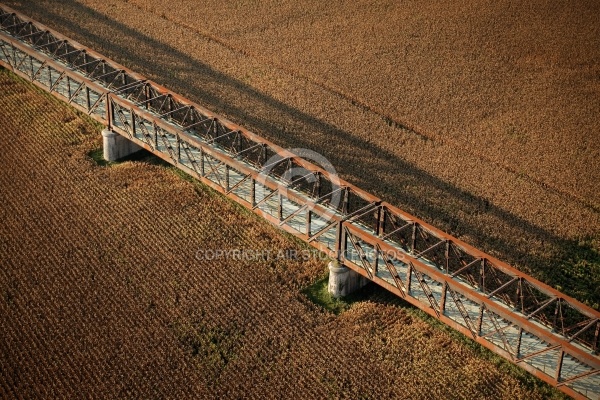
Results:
[563, 263]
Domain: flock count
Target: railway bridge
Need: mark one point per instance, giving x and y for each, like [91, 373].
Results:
[551, 335]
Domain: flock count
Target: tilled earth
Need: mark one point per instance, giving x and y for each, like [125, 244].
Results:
[102, 293]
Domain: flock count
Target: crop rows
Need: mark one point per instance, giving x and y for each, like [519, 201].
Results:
[458, 74]
[102, 292]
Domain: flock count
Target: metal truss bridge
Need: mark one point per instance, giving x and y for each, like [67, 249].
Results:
[549, 334]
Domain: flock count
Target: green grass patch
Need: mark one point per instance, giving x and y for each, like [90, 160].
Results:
[97, 156]
[578, 274]
[146, 157]
[318, 294]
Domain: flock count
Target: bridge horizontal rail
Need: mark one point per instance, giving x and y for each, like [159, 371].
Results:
[549, 334]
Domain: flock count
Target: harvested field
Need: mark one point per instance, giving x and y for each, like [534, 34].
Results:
[479, 118]
[102, 292]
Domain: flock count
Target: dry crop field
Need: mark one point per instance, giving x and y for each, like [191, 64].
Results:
[102, 294]
[479, 117]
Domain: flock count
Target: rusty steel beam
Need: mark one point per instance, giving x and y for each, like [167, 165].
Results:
[498, 306]
[478, 297]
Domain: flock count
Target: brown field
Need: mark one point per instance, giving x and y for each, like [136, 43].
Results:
[480, 118]
[102, 295]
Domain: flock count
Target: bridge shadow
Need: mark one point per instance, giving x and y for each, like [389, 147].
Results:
[410, 187]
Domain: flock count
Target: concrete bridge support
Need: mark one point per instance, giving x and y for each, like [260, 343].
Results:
[343, 280]
[117, 146]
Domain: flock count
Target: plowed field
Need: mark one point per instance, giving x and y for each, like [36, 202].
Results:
[102, 294]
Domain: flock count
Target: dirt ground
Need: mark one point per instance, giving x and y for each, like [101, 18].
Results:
[478, 117]
[103, 294]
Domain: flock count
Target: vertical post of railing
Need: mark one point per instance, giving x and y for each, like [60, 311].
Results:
[480, 319]
[263, 155]
[147, 95]
[517, 295]
[85, 58]
[227, 178]
[447, 256]
[279, 205]
[408, 277]
[414, 238]
[87, 98]
[169, 107]
[339, 247]
[518, 346]
[380, 221]
[482, 276]
[375, 265]
[443, 300]
[155, 134]
[559, 363]
[109, 111]
[596, 338]
[555, 318]
[317, 190]
[133, 117]
[202, 172]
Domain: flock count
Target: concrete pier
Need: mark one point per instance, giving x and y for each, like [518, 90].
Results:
[116, 146]
[343, 280]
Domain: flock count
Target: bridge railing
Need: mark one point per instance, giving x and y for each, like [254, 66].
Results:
[551, 335]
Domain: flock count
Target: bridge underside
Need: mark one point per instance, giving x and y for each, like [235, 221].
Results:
[549, 334]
